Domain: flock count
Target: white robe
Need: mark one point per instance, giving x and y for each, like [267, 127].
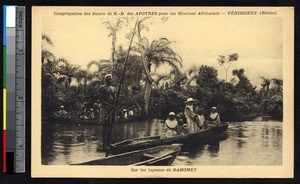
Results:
[215, 117]
[190, 118]
[201, 120]
[170, 128]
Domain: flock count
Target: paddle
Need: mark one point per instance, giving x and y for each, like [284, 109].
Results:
[122, 78]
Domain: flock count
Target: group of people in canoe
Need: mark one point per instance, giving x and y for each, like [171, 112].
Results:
[192, 120]
[82, 112]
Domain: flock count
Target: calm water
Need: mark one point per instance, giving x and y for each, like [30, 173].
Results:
[244, 143]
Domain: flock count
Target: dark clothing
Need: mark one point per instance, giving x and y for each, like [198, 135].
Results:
[106, 111]
[107, 99]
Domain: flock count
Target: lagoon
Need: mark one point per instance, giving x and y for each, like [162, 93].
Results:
[244, 143]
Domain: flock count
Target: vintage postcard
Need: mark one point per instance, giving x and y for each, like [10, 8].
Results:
[163, 92]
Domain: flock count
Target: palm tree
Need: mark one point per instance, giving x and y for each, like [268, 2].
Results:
[49, 84]
[155, 54]
[134, 75]
[48, 58]
[265, 85]
[204, 76]
[83, 77]
[278, 84]
[47, 39]
[272, 96]
[178, 80]
[103, 67]
[65, 72]
[113, 29]
[226, 62]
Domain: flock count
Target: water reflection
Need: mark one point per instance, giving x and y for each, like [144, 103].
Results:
[241, 135]
[245, 143]
[265, 137]
[214, 149]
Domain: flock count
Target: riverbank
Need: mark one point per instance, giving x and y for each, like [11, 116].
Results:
[235, 118]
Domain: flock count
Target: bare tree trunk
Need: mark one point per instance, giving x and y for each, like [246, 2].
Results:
[146, 65]
[267, 91]
[85, 86]
[225, 81]
[113, 49]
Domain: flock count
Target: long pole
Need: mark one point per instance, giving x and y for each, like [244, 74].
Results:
[124, 66]
[122, 78]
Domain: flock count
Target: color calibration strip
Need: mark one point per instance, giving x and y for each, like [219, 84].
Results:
[4, 93]
[13, 89]
[20, 78]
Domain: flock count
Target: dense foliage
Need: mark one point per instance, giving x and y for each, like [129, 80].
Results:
[155, 94]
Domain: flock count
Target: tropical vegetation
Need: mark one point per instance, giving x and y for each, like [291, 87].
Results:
[154, 93]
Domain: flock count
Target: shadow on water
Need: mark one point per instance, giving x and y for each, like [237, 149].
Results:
[265, 136]
[214, 149]
[214, 144]
[47, 143]
[271, 137]
[192, 149]
[244, 143]
[241, 135]
[277, 136]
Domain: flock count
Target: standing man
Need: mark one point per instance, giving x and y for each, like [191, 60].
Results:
[107, 109]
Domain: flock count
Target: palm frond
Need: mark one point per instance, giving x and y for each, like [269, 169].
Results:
[61, 79]
[233, 57]
[191, 79]
[90, 64]
[47, 56]
[162, 78]
[47, 39]
[278, 82]
[193, 70]
[63, 61]
[170, 61]
[221, 59]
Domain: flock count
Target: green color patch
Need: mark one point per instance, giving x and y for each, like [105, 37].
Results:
[4, 67]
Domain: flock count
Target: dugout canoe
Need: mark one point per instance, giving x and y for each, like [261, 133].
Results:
[160, 155]
[76, 120]
[146, 142]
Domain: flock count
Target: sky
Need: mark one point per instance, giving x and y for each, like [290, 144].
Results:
[198, 40]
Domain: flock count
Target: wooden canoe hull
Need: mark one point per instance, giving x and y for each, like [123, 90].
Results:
[90, 121]
[161, 155]
[143, 143]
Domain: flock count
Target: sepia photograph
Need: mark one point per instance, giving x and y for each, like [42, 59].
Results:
[186, 92]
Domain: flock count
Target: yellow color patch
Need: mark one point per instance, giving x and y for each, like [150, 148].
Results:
[4, 109]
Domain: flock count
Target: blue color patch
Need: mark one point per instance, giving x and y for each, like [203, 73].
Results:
[4, 25]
